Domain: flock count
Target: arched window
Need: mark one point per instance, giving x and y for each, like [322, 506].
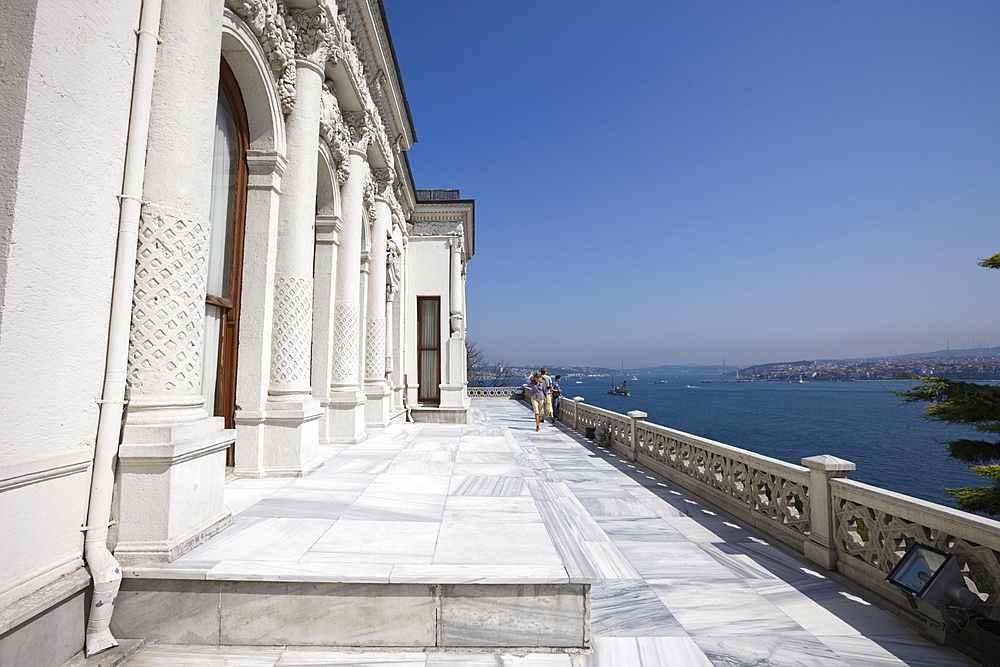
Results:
[225, 257]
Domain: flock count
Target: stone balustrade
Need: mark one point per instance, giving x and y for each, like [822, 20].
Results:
[496, 392]
[859, 531]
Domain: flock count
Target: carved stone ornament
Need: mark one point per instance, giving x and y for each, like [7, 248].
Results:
[334, 131]
[267, 20]
[313, 34]
[382, 179]
[168, 304]
[436, 228]
[347, 343]
[292, 332]
[375, 348]
[393, 269]
[360, 131]
[369, 200]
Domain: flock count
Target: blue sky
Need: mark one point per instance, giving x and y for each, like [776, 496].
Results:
[662, 182]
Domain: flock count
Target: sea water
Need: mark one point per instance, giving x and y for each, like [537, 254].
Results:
[862, 422]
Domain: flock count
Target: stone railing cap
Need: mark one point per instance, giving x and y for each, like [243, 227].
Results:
[578, 399]
[637, 414]
[829, 463]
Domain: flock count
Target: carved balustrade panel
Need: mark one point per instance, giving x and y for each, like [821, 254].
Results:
[495, 392]
[773, 488]
[876, 527]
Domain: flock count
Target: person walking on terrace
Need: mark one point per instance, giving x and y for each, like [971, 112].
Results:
[547, 381]
[539, 392]
[556, 398]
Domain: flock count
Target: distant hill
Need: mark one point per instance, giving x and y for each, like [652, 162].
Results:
[971, 352]
[678, 369]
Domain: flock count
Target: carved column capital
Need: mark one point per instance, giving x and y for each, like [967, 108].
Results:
[313, 34]
[359, 129]
[383, 179]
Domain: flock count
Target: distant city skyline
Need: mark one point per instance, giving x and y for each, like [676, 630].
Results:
[685, 182]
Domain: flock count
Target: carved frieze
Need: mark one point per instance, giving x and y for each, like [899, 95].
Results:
[446, 228]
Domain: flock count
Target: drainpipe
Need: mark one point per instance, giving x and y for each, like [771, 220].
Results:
[104, 569]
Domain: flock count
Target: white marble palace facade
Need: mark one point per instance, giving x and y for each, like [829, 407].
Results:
[207, 210]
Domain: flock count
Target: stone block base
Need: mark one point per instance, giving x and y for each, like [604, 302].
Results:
[378, 399]
[170, 489]
[345, 419]
[429, 415]
[47, 627]
[291, 438]
[290, 613]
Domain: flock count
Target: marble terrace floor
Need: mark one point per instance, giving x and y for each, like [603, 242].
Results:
[674, 581]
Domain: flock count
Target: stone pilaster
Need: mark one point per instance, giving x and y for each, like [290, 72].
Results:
[327, 245]
[266, 169]
[169, 440]
[820, 547]
[346, 404]
[292, 414]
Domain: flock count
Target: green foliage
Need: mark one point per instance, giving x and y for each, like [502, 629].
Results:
[991, 262]
[971, 404]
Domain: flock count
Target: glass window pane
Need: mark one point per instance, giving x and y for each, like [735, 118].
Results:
[210, 356]
[223, 193]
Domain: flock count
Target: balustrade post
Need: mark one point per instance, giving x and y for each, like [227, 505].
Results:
[635, 416]
[577, 400]
[821, 547]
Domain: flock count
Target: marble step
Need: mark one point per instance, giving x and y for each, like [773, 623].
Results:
[183, 607]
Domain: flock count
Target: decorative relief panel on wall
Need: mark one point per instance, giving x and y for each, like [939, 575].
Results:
[438, 228]
[292, 332]
[375, 348]
[168, 306]
[346, 323]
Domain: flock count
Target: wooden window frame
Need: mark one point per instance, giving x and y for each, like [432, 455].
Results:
[436, 400]
[225, 388]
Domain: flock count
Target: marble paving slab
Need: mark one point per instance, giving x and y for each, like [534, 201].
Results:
[674, 580]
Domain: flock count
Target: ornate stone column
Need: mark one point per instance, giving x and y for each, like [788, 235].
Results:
[345, 411]
[169, 440]
[393, 351]
[453, 394]
[292, 414]
[377, 390]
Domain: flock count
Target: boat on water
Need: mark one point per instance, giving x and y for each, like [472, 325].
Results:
[661, 382]
[706, 381]
[620, 390]
[691, 386]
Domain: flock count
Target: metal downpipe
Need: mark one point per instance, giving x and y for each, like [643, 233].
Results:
[104, 569]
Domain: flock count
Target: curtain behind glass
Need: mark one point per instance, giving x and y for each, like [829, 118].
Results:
[224, 164]
[430, 349]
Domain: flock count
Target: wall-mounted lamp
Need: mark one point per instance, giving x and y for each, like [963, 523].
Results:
[932, 581]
